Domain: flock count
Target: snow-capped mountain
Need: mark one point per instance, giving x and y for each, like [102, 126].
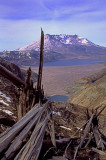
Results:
[72, 39]
[56, 47]
[57, 40]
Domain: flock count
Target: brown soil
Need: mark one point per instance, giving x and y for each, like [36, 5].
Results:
[56, 79]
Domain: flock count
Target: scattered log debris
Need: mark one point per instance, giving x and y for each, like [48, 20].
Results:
[28, 137]
[24, 139]
[91, 136]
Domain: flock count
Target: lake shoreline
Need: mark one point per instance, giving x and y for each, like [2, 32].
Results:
[71, 62]
[56, 78]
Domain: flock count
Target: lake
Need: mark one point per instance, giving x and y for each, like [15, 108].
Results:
[74, 62]
[59, 98]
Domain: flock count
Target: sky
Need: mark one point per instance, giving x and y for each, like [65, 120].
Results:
[21, 20]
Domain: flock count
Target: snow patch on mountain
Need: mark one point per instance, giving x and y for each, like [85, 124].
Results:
[68, 42]
[84, 41]
[35, 46]
[51, 41]
[62, 35]
[28, 54]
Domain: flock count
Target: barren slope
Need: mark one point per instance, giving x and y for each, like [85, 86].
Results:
[90, 91]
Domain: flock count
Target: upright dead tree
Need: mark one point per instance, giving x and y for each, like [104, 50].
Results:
[27, 96]
[40, 67]
[28, 90]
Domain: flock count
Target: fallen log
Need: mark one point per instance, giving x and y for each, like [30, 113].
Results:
[9, 75]
[98, 138]
[84, 136]
[33, 146]
[101, 111]
[99, 151]
[12, 139]
[10, 134]
[86, 131]
[19, 139]
[51, 128]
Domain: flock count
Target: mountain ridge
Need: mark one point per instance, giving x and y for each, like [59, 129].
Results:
[56, 47]
[63, 38]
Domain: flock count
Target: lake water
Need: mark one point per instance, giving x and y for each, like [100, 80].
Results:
[74, 62]
[59, 98]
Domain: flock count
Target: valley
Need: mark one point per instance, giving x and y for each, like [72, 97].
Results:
[57, 79]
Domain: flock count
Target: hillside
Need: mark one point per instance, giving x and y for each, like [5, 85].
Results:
[56, 47]
[9, 94]
[90, 91]
[6, 86]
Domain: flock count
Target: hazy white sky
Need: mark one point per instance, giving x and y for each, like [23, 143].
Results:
[21, 20]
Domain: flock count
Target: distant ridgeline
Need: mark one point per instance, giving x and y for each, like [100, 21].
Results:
[56, 47]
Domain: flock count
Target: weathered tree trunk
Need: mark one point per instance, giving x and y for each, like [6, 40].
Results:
[10, 134]
[40, 66]
[27, 96]
[9, 75]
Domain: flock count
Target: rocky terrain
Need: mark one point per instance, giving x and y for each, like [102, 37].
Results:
[56, 47]
[9, 95]
[70, 117]
[69, 120]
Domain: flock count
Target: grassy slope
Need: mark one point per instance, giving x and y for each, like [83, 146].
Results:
[90, 91]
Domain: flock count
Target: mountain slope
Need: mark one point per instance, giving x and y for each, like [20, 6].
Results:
[90, 91]
[8, 96]
[13, 68]
[50, 41]
[56, 47]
